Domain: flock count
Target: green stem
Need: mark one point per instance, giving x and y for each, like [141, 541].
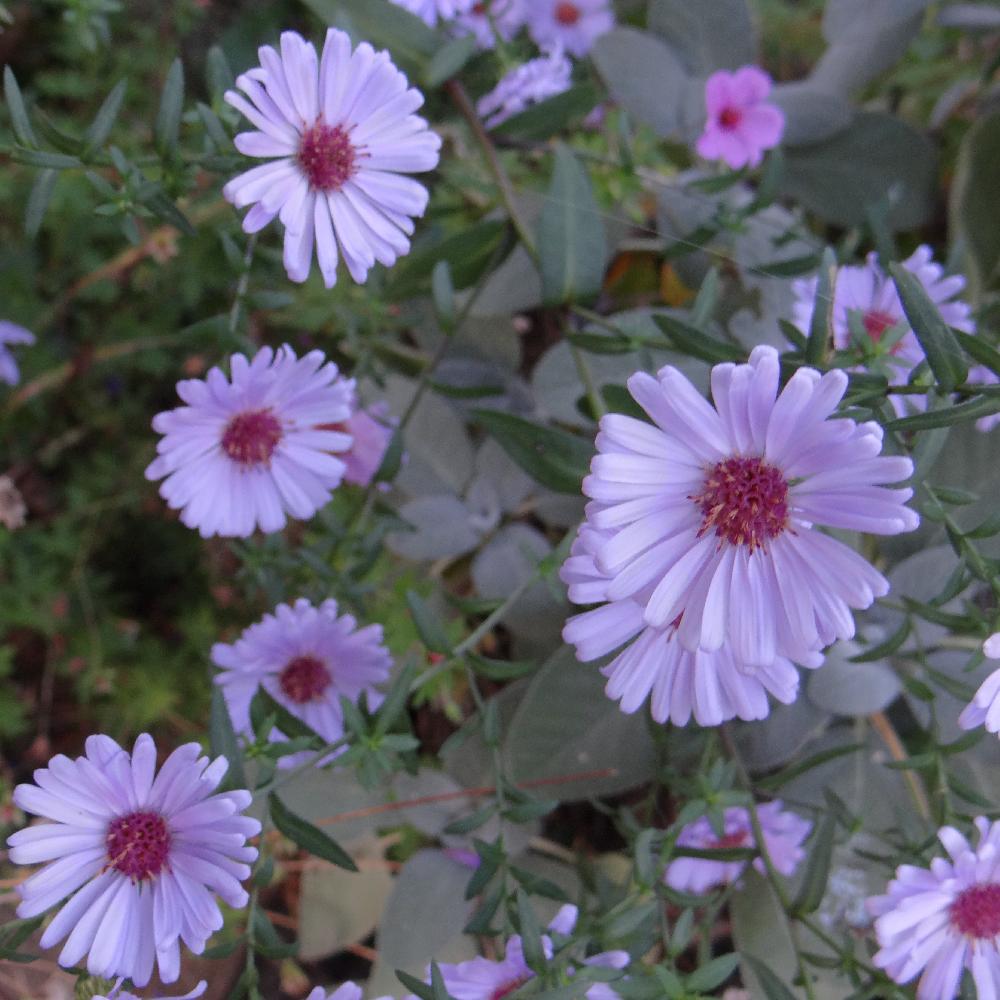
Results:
[286, 776]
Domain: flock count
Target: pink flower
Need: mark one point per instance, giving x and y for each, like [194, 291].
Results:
[370, 435]
[741, 123]
[784, 834]
[941, 920]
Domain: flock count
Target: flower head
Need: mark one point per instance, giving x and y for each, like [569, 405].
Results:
[709, 516]
[741, 123]
[429, 11]
[246, 452]
[117, 993]
[305, 657]
[529, 83]
[371, 431]
[486, 19]
[347, 991]
[484, 979]
[984, 709]
[941, 920]
[341, 132]
[11, 333]
[784, 833]
[710, 686]
[141, 855]
[571, 24]
[865, 299]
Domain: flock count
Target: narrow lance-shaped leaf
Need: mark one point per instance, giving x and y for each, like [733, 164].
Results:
[943, 352]
[817, 871]
[572, 245]
[38, 201]
[222, 738]
[18, 113]
[168, 118]
[100, 128]
[552, 457]
[821, 324]
[310, 838]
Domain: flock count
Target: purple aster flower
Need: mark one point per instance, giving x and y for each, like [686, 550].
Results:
[348, 991]
[984, 709]
[711, 514]
[870, 295]
[529, 83]
[429, 11]
[741, 123]
[574, 25]
[11, 333]
[117, 993]
[483, 979]
[344, 133]
[246, 452]
[711, 686]
[784, 833]
[141, 855]
[305, 658]
[487, 19]
[983, 376]
[941, 920]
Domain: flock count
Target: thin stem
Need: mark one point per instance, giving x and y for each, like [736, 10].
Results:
[242, 286]
[287, 776]
[594, 397]
[461, 100]
[882, 725]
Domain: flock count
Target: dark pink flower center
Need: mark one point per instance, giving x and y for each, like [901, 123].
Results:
[731, 840]
[745, 500]
[730, 118]
[976, 912]
[567, 14]
[327, 157]
[250, 438]
[304, 679]
[138, 845]
[876, 323]
[507, 988]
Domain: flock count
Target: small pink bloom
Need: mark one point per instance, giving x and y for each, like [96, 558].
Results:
[741, 123]
[371, 435]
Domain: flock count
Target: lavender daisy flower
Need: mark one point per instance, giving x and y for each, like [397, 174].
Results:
[711, 513]
[141, 855]
[249, 451]
[305, 658]
[712, 687]
[941, 920]
[533, 81]
[344, 132]
[117, 993]
[784, 833]
[984, 709]
[870, 294]
[348, 991]
[486, 20]
[11, 333]
[430, 11]
[483, 979]
[983, 376]
[371, 431]
[573, 25]
[741, 123]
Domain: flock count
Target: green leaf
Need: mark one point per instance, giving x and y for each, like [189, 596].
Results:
[943, 353]
[266, 939]
[531, 933]
[443, 290]
[979, 350]
[43, 158]
[310, 838]
[822, 317]
[38, 201]
[975, 198]
[214, 128]
[572, 245]
[690, 340]
[18, 113]
[428, 627]
[396, 700]
[817, 869]
[417, 986]
[946, 416]
[168, 118]
[500, 670]
[449, 60]
[712, 975]
[385, 25]
[264, 705]
[100, 128]
[772, 987]
[544, 120]
[885, 648]
[552, 457]
[775, 781]
[222, 738]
